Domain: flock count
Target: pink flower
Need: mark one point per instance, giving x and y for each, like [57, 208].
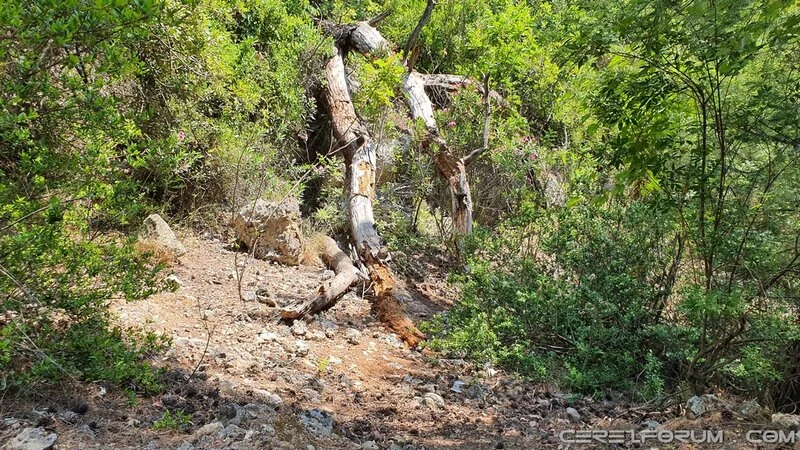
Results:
[533, 157]
[451, 124]
[181, 135]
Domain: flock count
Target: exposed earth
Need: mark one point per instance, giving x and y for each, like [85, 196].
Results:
[239, 379]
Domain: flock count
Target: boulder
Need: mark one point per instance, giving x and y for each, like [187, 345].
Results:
[157, 230]
[699, 405]
[271, 230]
[433, 401]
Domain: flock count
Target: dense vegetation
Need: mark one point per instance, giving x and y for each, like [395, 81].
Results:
[637, 213]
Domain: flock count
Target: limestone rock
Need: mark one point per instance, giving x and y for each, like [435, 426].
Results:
[573, 414]
[271, 230]
[156, 229]
[32, 439]
[786, 420]
[317, 421]
[433, 401]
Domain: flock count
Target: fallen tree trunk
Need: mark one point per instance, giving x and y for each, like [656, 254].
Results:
[347, 275]
[359, 151]
[452, 83]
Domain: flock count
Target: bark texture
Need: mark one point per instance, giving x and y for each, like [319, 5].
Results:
[367, 40]
[347, 275]
[359, 151]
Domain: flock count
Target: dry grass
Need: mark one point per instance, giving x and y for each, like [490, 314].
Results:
[155, 252]
[312, 247]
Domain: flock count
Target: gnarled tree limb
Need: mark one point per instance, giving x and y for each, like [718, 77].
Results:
[359, 151]
[347, 275]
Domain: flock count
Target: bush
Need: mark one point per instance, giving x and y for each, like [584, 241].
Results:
[594, 305]
[109, 110]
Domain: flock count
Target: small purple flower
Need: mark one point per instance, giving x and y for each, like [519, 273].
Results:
[181, 135]
[451, 124]
[533, 157]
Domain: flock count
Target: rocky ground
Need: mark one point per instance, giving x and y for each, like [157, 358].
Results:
[239, 379]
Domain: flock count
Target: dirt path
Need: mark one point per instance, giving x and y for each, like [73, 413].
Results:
[341, 382]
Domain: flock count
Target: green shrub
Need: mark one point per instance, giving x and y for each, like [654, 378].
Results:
[597, 307]
[172, 420]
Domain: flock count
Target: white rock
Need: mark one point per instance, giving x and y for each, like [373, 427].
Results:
[32, 439]
[156, 229]
[573, 414]
[786, 420]
[370, 445]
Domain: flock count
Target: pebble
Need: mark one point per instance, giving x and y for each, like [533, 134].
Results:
[433, 401]
[573, 414]
[352, 336]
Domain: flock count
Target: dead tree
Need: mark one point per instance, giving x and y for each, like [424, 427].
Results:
[359, 152]
[346, 276]
[365, 39]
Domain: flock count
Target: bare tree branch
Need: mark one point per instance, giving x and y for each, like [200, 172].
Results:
[414, 37]
[487, 110]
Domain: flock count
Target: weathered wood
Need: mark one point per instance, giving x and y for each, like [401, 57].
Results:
[412, 39]
[359, 151]
[367, 40]
[452, 83]
[450, 167]
[330, 291]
